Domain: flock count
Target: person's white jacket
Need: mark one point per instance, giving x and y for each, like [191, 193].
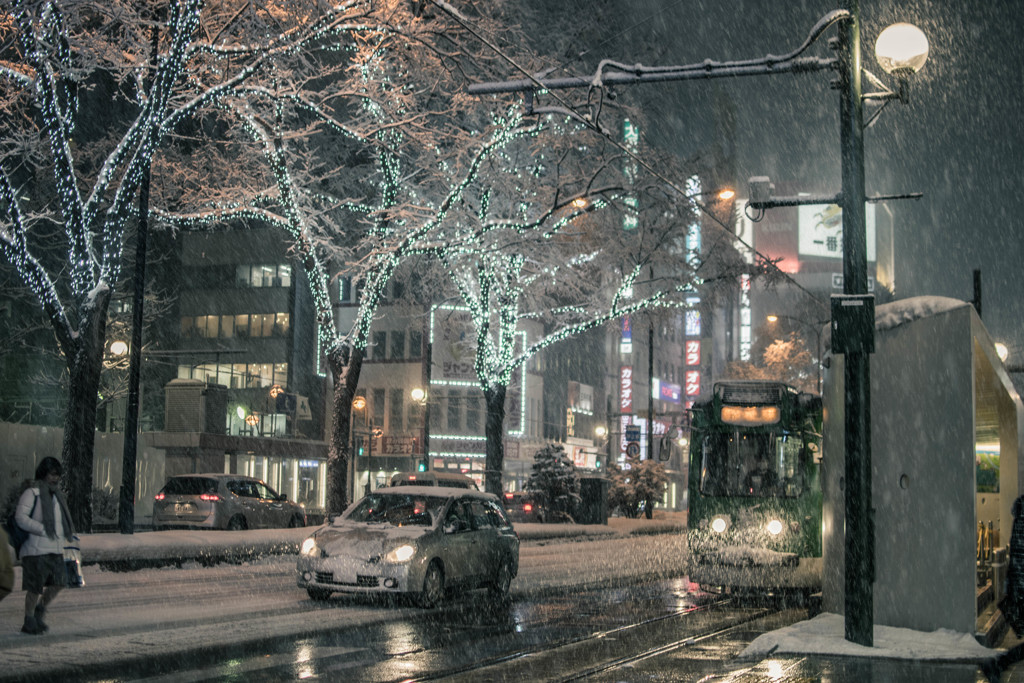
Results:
[30, 520]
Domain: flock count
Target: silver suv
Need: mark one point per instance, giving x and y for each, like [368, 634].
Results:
[223, 501]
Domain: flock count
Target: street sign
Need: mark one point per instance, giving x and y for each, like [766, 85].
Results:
[633, 448]
[632, 432]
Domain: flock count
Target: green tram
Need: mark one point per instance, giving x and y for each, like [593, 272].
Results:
[755, 503]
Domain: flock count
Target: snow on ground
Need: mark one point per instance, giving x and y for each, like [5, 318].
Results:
[824, 635]
[204, 543]
[107, 622]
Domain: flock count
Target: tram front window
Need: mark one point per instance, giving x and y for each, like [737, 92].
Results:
[762, 465]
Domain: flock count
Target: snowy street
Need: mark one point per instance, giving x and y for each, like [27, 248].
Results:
[131, 616]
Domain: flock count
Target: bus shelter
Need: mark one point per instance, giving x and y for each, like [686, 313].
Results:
[946, 427]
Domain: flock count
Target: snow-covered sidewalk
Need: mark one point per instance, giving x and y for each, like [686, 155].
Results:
[155, 548]
[165, 612]
[824, 635]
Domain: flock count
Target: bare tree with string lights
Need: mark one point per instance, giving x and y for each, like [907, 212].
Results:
[226, 104]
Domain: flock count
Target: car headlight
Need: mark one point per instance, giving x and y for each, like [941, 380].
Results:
[719, 524]
[774, 527]
[308, 547]
[401, 554]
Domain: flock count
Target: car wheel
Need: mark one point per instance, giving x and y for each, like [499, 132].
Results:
[502, 581]
[237, 523]
[295, 522]
[318, 594]
[433, 586]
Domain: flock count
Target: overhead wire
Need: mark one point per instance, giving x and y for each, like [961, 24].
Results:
[593, 125]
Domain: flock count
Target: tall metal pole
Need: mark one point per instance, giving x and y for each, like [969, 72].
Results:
[650, 389]
[126, 502]
[859, 536]
[817, 360]
[426, 405]
[369, 459]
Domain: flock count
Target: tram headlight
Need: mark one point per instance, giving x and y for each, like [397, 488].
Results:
[719, 524]
[774, 527]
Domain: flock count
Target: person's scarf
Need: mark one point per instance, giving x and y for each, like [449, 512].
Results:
[46, 496]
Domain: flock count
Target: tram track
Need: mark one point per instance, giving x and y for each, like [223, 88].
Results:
[663, 649]
[584, 656]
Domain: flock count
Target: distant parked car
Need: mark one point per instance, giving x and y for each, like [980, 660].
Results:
[223, 501]
[433, 478]
[523, 507]
[414, 540]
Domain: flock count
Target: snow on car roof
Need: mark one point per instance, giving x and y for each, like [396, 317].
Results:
[436, 491]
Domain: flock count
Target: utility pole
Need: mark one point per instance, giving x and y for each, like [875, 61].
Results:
[126, 502]
[427, 374]
[650, 389]
[860, 537]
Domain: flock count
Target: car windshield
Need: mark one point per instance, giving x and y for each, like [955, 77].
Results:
[189, 486]
[397, 509]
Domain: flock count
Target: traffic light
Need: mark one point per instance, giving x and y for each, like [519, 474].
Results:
[422, 467]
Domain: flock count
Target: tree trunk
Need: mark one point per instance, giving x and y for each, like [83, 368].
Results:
[85, 364]
[346, 364]
[494, 430]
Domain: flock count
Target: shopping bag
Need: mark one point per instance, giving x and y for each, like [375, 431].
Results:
[73, 564]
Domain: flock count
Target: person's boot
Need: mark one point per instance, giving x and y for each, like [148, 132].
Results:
[31, 626]
[40, 613]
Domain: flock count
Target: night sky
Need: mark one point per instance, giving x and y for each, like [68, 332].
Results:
[958, 139]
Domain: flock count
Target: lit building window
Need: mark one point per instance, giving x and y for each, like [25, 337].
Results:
[242, 326]
[238, 375]
[263, 275]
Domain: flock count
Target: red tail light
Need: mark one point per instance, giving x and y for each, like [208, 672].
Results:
[159, 496]
[527, 507]
[508, 496]
[211, 497]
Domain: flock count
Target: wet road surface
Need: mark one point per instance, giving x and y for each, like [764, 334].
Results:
[552, 638]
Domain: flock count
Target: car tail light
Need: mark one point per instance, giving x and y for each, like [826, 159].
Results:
[159, 496]
[211, 497]
[527, 507]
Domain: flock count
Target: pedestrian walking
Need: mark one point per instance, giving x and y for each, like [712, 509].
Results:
[43, 512]
[6, 566]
